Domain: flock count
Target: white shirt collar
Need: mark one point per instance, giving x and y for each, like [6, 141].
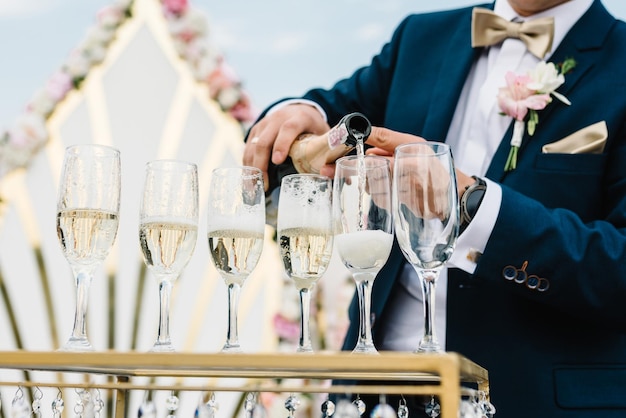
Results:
[565, 16]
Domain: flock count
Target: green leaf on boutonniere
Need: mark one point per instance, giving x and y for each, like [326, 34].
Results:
[566, 66]
[533, 120]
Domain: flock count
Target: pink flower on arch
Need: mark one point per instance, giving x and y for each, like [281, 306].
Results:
[176, 7]
[516, 98]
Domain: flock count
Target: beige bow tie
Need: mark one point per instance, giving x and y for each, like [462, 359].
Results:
[488, 29]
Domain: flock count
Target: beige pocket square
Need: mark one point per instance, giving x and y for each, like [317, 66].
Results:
[589, 140]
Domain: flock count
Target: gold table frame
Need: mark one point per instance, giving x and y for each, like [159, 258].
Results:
[442, 375]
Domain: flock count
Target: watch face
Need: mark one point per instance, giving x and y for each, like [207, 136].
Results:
[471, 200]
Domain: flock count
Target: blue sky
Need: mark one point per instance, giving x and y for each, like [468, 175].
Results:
[278, 47]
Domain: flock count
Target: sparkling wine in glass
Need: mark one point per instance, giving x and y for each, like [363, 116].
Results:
[305, 236]
[168, 231]
[363, 228]
[235, 230]
[426, 218]
[87, 221]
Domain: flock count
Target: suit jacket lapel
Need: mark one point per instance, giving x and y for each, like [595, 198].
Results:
[583, 46]
[449, 82]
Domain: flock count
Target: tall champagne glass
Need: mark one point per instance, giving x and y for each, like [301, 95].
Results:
[363, 228]
[426, 218]
[87, 221]
[168, 231]
[305, 238]
[235, 229]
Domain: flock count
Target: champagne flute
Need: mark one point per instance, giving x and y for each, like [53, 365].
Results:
[426, 218]
[235, 229]
[168, 231]
[305, 238]
[87, 221]
[363, 229]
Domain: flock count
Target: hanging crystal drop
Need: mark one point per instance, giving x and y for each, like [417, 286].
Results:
[328, 408]
[403, 410]
[291, 404]
[467, 410]
[383, 410]
[360, 405]
[249, 404]
[346, 409]
[253, 408]
[36, 405]
[147, 409]
[213, 405]
[19, 407]
[58, 405]
[98, 405]
[203, 411]
[432, 408]
[486, 407]
[85, 396]
[82, 403]
[171, 404]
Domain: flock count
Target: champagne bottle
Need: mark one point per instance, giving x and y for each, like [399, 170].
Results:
[311, 152]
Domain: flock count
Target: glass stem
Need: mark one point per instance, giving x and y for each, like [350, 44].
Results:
[232, 335]
[429, 279]
[364, 294]
[305, 312]
[165, 290]
[83, 281]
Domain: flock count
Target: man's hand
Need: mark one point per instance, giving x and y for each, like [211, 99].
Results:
[271, 138]
[384, 142]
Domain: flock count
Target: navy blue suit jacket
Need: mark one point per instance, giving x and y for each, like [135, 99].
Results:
[556, 353]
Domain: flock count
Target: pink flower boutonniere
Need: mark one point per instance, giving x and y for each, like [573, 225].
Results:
[525, 94]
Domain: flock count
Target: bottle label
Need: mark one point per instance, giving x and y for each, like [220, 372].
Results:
[337, 136]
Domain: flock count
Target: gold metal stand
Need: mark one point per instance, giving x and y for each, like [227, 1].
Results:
[443, 375]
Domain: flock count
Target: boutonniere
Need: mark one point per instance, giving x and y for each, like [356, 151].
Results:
[525, 94]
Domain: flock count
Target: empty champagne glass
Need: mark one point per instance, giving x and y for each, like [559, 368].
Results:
[363, 228]
[305, 238]
[87, 221]
[426, 218]
[235, 229]
[168, 231]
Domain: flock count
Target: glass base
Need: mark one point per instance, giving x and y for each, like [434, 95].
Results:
[429, 347]
[304, 349]
[159, 347]
[231, 348]
[365, 349]
[77, 344]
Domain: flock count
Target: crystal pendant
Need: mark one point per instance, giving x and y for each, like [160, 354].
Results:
[58, 405]
[98, 405]
[468, 409]
[432, 408]
[291, 404]
[486, 407]
[19, 406]
[147, 409]
[383, 410]
[82, 403]
[36, 405]
[203, 411]
[403, 410]
[328, 408]
[360, 405]
[346, 409]
[171, 404]
[252, 408]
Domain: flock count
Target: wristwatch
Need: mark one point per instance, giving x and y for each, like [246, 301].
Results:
[470, 201]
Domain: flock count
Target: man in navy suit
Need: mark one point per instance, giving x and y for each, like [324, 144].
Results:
[536, 288]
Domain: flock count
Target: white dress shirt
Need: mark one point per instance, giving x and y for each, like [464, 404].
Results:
[474, 136]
